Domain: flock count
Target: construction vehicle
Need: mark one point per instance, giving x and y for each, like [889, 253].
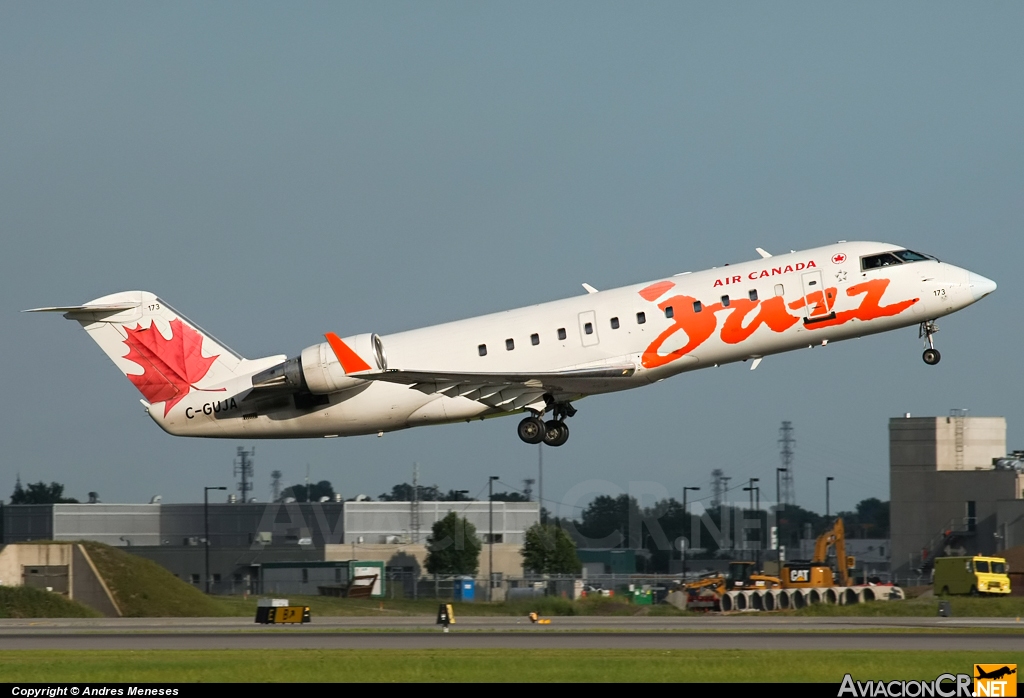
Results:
[818, 573]
[742, 575]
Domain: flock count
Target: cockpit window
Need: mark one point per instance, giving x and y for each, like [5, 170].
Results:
[911, 256]
[878, 261]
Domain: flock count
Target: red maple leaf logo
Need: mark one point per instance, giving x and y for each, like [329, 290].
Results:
[170, 367]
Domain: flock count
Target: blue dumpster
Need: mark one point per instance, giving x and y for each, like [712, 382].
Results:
[465, 589]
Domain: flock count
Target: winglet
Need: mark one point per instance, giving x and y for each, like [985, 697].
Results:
[764, 255]
[589, 288]
[350, 361]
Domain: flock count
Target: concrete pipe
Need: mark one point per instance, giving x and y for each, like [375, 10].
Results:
[797, 598]
[769, 599]
[831, 596]
[781, 599]
[813, 596]
[755, 600]
[741, 602]
[731, 602]
[867, 594]
[896, 594]
[850, 596]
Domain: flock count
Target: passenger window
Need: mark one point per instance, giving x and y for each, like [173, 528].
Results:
[510, 344]
[753, 295]
[779, 291]
[725, 301]
[615, 323]
[482, 350]
[535, 339]
[561, 333]
[641, 318]
[697, 307]
[588, 328]
[982, 566]
[670, 312]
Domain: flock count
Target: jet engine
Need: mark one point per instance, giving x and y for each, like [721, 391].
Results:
[318, 369]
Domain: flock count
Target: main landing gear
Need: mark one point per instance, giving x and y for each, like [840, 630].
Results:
[554, 432]
[931, 355]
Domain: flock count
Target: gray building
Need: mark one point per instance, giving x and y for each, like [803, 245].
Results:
[243, 537]
[950, 494]
[392, 522]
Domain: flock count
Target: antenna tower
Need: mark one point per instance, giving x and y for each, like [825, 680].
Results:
[717, 487]
[243, 469]
[786, 445]
[275, 485]
[415, 504]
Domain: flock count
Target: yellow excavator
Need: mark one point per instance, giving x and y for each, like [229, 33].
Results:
[818, 574]
[741, 575]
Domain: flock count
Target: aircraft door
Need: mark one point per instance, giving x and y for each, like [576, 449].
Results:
[588, 328]
[818, 300]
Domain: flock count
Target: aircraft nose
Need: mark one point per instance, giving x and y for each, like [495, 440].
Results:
[980, 286]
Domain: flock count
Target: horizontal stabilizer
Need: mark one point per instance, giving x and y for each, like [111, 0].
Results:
[76, 309]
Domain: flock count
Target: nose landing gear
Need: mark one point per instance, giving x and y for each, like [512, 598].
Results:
[554, 432]
[931, 355]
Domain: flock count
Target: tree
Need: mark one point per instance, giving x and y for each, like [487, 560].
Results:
[317, 490]
[509, 497]
[453, 547]
[40, 493]
[403, 493]
[550, 550]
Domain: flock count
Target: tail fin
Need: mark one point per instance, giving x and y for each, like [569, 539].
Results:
[163, 353]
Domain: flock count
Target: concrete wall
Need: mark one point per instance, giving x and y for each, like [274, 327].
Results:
[932, 442]
[508, 558]
[84, 583]
[926, 503]
[375, 522]
[113, 524]
[936, 466]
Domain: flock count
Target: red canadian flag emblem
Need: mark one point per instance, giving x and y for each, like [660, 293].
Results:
[838, 258]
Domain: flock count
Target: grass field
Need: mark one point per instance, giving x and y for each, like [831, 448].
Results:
[484, 665]
[26, 602]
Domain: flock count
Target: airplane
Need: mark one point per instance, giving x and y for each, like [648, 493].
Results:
[995, 674]
[536, 360]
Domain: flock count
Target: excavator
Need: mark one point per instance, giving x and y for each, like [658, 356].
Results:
[818, 574]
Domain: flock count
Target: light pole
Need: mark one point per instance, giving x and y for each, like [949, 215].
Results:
[206, 531]
[686, 519]
[490, 537]
[828, 481]
[751, 488]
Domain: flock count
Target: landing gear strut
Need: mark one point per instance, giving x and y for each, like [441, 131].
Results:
[554, 432]
[931, 355]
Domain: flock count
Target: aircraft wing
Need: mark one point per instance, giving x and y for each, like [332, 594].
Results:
[505, 391]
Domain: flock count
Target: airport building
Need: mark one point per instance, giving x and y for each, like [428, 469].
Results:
[953, 491]
[245, 538]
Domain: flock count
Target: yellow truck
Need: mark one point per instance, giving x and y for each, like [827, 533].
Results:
[971, 575]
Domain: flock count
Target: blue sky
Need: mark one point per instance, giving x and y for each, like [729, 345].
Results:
[278, 170]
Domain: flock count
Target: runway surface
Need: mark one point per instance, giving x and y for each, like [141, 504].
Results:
[418, 632]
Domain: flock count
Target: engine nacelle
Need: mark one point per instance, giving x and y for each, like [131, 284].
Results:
[318, 369]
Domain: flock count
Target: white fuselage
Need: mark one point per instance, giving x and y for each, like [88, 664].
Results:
[746, 311]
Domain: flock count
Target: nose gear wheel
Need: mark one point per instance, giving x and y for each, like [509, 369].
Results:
[931, 355]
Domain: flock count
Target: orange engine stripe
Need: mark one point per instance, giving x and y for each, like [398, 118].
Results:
[350, 360]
